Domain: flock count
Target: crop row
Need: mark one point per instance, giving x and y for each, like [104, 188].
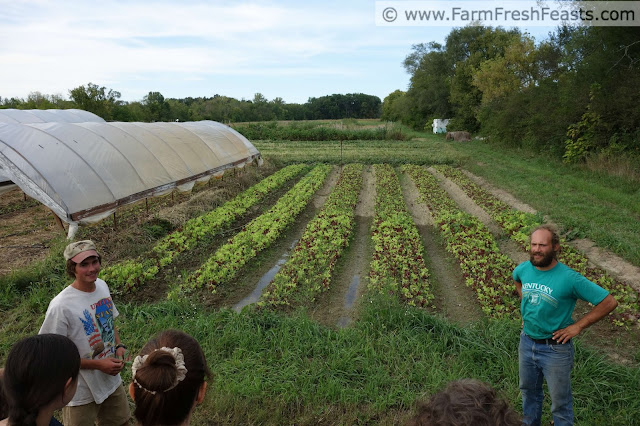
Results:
[257, 235]
[484, 268]
[515, 223]
[518, 225]
[397, 265]
[309, 269]
[132, 273]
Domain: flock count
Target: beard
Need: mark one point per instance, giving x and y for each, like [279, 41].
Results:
[545, 261]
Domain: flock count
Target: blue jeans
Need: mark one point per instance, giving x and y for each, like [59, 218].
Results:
[554, 363]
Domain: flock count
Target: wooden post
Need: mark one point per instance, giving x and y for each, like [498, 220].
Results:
[341, 153]
[115, 222]
[58, 220]
[146, 204]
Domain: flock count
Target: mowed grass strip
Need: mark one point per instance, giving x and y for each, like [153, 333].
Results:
[309, 270]
[519, 224]
[130, 274]
[484, 267]
[397, 264]
[257, 235]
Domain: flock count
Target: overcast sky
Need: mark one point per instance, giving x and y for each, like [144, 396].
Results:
[288, 49]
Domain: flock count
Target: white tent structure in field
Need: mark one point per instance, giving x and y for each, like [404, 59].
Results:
[84, 171]
[41, 116]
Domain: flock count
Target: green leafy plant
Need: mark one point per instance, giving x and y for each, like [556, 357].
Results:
[309, 269]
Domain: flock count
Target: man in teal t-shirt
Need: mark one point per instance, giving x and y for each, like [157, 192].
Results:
[549, 291]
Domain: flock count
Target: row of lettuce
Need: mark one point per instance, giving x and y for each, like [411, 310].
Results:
[130, 274]
[397, 261]
[484, 267]
[517, 225]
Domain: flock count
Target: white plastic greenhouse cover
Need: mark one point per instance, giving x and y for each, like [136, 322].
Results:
[84, 171]
[48, 116]
[41, 116]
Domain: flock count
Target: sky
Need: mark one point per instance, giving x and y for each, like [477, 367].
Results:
[288, 49]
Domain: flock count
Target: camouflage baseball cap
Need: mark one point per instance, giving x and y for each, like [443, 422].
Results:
[80, 250]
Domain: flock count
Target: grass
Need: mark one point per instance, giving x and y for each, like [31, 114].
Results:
[285, 369]
[271, 368]
[370, 152]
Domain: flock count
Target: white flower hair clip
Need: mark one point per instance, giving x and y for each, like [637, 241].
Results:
[176, 352]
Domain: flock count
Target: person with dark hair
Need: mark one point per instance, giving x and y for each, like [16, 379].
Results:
[85, 312]
[168, 379]
[40, 376]
[466, 402]
[549, 291]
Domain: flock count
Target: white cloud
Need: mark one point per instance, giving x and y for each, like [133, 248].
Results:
[54, 44]
[169, 46]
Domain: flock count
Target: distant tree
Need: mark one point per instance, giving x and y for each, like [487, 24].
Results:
[179, 110]
[279, 108]
[16, 103]
[155, 107]
[503, 75]
[98, 100]
[468, 48]
[260, 109]
[391, 106]
[429, 89]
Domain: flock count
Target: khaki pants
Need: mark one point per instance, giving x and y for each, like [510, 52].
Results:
[114, 411]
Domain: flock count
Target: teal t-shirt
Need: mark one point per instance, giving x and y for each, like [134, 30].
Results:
[549, 297]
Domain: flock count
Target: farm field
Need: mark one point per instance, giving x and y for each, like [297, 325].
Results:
[341, 282]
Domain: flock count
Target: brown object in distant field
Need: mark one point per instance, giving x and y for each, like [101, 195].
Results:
[459, 136]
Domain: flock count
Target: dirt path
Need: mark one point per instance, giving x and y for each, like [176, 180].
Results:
[466, 203]
[453, 298]
[612, 263]
[25, 233]
[338, 306]
[600, 257]
[501, 194]
[506, 245]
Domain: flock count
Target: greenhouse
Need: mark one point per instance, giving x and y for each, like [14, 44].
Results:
[47, 116]
[41, 116]
[84, 171]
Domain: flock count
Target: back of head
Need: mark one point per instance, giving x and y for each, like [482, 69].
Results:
[36, 372]
[466, 402]
[167, 377]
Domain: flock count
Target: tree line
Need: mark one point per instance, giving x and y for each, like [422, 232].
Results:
[107, 104]
[573, 94]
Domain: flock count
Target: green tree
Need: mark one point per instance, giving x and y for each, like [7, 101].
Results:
[429, 89]
[156, 107]
[391, 106]
[98, 100]
[468, 48]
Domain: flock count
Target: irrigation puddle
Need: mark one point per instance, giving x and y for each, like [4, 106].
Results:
[264, 281]
[349, 300]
